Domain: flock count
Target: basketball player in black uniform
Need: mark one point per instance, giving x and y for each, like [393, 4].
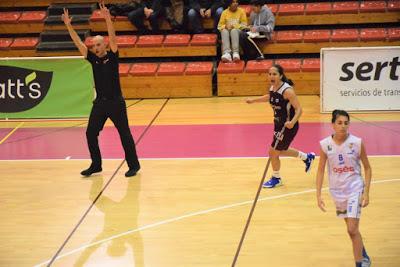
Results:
[287, 111]
[109, 102]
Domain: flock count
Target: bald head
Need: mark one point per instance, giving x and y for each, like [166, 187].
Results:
[98, 38]
[99, 46]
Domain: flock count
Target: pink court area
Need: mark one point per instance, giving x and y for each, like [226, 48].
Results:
[187, 141]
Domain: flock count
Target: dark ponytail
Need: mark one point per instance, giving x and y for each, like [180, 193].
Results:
[227, 3]
[257, 2]
[338, 112]
[282, 73]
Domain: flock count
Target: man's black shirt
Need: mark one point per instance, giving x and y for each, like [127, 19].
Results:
[106, 75]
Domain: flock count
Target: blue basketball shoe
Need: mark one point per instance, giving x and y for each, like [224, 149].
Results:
[273, 182]
[366, 261]
[309, 160]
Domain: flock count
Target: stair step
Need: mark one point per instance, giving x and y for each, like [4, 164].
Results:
[80, 13]
[62, 36]
[73, 9]
[56, 46]
[76, 19]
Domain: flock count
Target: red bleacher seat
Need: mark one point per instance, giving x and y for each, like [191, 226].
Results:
[311, 65]
[378, 34]
[231, 67]
[150, 41]
[273, 7]
[96, 16]
[258, 66]
[143, 69]
[199, 68]
[171, 68]
[126, 40]
[288, 36]
[203, 39]
[33, 16]
[394, 34]
[177, 40]
[311, 36]
[124, 69]
[346, 35]
[290, 65]
[5, 43]
[25, 43]
[373, 6]
[318, 8]
[291, 9]
[247, 9]
[122, 40]
[9, 17]
[393, 6]
[89, 41]
[345, 7]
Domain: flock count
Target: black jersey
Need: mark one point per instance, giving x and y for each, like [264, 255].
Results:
[283, 110]
[106, 75]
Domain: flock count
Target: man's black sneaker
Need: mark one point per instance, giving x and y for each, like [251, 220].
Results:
[90, 171]
[131, 172]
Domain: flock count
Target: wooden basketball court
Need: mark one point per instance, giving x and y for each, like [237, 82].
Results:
[202, 160]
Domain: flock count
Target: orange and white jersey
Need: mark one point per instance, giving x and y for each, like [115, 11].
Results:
[344, 169]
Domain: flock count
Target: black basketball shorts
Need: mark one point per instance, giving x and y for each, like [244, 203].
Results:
[284, 140]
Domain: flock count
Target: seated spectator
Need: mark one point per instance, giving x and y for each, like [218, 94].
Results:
[174, 13]
[149, 9]
[232, 21]
[262, 23]
[199, 9]
[123, 9]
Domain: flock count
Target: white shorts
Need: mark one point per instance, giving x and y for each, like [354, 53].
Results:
[349, 208]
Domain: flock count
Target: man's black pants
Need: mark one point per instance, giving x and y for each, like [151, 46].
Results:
[137, 16]
[250, 49]
[115, 110]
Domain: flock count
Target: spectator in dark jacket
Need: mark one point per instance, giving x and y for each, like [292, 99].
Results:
[149, 9]
[262, 23]
[204, 9]
[123, 9]
[174, 13]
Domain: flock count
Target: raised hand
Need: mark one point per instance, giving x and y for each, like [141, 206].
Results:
[202, 12]
[148, 12]
[110, 27]
[74, 36]
[104, 10]
[66, 18]
[207, 14]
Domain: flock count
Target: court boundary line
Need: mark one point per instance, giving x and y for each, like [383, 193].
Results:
[11, 133]
[57, 119]
[375, 124]
[193, 214]
[189, 158]
[60, 129]
[134, 103]
[55, 256]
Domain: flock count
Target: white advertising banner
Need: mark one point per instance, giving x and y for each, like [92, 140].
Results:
[360, 79]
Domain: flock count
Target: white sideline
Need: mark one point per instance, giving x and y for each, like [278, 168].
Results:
[194, 158]
[167, 221]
